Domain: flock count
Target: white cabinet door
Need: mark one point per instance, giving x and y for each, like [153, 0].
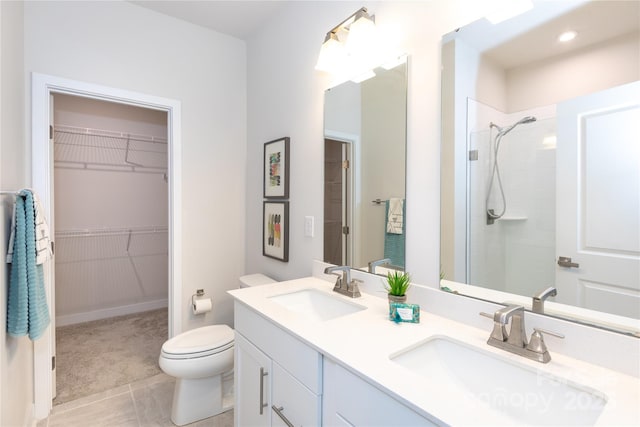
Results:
[292, 402]
[252, 385]
[350, 401]
[598, 201]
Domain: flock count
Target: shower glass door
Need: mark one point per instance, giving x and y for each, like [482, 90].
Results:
[515, 253]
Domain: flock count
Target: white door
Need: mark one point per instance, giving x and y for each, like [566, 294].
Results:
[598, 201]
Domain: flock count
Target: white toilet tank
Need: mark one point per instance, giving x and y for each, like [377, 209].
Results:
[255, 280]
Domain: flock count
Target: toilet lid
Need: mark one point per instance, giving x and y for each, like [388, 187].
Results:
[199, 342]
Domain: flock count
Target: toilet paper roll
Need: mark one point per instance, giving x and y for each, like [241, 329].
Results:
[202, 305]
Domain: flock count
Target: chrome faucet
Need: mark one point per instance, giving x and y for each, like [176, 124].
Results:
[344, 285]
[540, 298]
[515, 341]
[374, 264]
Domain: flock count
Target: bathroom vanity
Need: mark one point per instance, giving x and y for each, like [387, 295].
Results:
[308, 356]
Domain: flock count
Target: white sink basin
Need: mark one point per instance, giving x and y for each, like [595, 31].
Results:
[520, 394]
[316, 304]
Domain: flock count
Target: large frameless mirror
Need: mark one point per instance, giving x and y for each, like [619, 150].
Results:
[364, 170]
[540, 169]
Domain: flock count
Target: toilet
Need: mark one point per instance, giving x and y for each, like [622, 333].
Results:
[198, 359]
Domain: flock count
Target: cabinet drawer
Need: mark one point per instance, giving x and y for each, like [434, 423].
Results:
[348, 400]
[295, 402]
[300, 360]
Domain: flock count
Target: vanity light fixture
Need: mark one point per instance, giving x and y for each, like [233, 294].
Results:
[332, 52]
[567, 36]
[350, 48]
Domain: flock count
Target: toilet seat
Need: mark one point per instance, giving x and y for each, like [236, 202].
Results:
[199, 342]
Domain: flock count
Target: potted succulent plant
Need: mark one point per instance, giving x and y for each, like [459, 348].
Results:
[396, 286]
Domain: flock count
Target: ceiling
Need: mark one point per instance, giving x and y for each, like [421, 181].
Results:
[532, 35]
[240, 18]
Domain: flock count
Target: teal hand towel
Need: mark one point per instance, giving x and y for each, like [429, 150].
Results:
[27, 310]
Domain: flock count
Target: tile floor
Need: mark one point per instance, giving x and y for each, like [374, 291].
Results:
[143, 403]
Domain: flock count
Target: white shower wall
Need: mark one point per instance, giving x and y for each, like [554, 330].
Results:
[518, 250]
[110, 225]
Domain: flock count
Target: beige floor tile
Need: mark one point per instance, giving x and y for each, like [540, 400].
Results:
[87, 400]
[160, 378]
[145, 403]
[113, 411]
[153, 401]
[224, 419]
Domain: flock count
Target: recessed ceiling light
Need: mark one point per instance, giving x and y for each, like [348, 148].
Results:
[567, 36]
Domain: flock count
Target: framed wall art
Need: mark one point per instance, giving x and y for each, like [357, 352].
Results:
[275, 230]
[276, 169]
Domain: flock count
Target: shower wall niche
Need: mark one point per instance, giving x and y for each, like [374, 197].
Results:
[111, 209]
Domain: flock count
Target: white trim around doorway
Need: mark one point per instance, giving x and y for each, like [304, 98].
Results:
[42, 172]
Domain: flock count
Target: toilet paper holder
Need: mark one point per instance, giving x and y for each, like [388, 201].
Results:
[199, 303]
[199, 294]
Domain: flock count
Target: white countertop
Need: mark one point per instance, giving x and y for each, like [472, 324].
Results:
[363, 341]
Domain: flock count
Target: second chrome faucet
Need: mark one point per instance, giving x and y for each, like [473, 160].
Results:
[538, 300]
[515, 341]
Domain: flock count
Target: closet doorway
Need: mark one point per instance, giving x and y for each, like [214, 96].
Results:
[111, 235]
[44, 88]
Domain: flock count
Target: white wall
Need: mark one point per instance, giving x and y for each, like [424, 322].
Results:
[122, 45]
[16, 354]
[286, 98]
[343, 113]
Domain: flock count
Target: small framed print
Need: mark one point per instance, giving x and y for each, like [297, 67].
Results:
[275, 230]
[276, 169]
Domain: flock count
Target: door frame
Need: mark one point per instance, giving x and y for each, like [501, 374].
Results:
[353, 190]
[42, 87]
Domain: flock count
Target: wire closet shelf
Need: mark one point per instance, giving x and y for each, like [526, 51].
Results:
[77, 245]
[86, 148]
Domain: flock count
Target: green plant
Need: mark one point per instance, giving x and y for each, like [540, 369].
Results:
[397, 283]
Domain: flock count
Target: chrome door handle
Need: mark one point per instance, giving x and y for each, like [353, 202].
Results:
[262, 404]
[278, 410]
[565, 261]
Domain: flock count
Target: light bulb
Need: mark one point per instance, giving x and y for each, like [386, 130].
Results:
[567, 36]
[332, 53]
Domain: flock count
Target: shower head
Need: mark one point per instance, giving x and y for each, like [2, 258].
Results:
[527, 119]
[505, 130]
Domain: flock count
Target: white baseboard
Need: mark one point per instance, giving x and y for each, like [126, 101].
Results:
[105, 313]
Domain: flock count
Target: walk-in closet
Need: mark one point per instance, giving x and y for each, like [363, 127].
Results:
[111, 243]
